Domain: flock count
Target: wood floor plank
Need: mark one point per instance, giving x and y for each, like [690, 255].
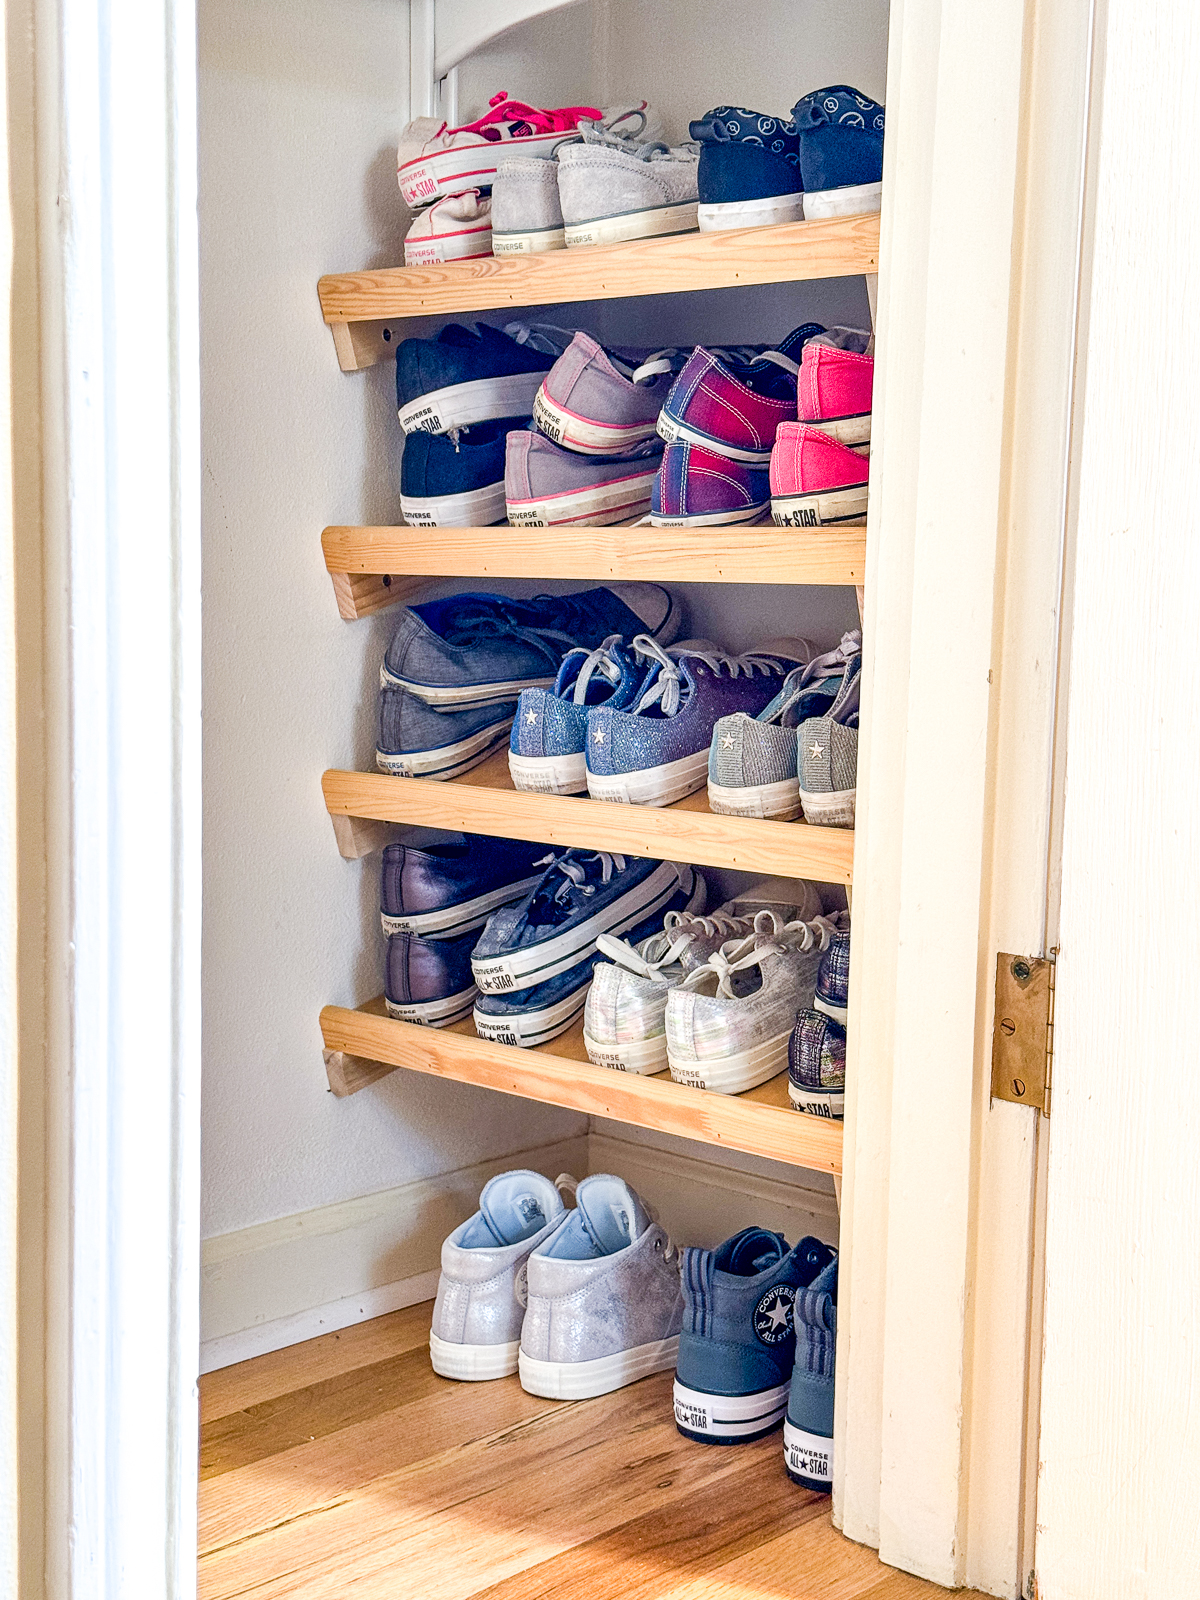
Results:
[248, 1383]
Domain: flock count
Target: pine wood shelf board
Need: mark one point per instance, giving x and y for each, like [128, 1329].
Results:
[376, 567]
[761, 1122]
[484, 801]
[359, 306]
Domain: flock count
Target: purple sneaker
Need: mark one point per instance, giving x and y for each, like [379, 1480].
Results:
[604, 402]
[696, 486]
[544, 485]
[734, 406]
[657, 752]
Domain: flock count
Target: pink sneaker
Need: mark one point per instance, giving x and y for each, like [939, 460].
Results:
[815, 481]
[837, 371]
[455, 228]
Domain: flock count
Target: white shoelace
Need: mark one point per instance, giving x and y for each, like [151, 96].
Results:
[771, 936]
[575, 873]
[667, 689]
[661, 950]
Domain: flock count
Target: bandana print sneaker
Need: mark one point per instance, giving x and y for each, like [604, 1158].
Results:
[808, 1428]
[417, 741]
[582, 895]
[837, 374]
[545, 486]
[817, 1065]
[475, 649]
[547, 752]
[752, 763]
[440, 891]
[841, 151]
[833, 979]
[738, 1344]
[454, 481]
[429, 981]
[624, 1024]
[604, 402]
[455, 228]
[732, 405]
[729, 1022]
[749, 169]
[470, 375]
[605, 1305]
[612, 188]
[815, 481]
[657, 752]
[476, 1331]
[696, 487]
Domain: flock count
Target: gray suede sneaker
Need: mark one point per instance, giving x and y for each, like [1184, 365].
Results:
[526, 215]
[612, 189]
[476, 1330]
[605, 1305]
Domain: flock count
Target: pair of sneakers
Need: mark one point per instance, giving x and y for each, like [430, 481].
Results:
[578, 1301]
[758, 1347]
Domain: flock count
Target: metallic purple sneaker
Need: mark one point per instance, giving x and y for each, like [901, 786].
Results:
[657, 752]
[734, 406]
[697, 487]
[604, 402]
[544, 485]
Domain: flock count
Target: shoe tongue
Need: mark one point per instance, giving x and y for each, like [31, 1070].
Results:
[750, 1252]
[516, 1205]
[610, 1213]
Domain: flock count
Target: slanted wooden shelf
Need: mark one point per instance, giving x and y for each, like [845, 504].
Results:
[373, 568]
[363, 308]
[761, 1121]
[484, 801]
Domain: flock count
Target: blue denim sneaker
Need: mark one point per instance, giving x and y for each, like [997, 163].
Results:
[429, 980]
[440, 891]
[841, 151]
[547, 751]
[738, 1344]
[657, 751]
[749, 169]
[533, 1016]
[583, 894]
[470, 375]
[417, 741]
[808, 1428]
[474, 649]
[454, 482]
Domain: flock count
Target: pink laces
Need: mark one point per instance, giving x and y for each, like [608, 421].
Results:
[502, 109]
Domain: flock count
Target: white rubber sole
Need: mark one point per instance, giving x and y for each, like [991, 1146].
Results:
[827, 1103]
[471, 167]
[778, 800]
[477, 508]
[583, 435]
[851, 201]
[434, 1013]
[650, 224]
[829, 508]
[448, 922]
[750, 213]
[652, 786]
[854, 431]
[462, 696]
[449, 760]
[549, 774]
[599, 505]
[640, 1056]
[838, 1013]
[532, 1028]
[460, 405]
[675, 432]
[832, 808]
[736, 1073]
[729, 1418]
[584, 1380]
[532, 243]
[712, 519]
[523, 968]
[472, 1363]
[808, 1458]
[464, 246]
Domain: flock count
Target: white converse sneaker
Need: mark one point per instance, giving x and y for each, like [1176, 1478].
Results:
[454, 228]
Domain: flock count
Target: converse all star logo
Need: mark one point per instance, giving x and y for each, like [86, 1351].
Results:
[773, 1314]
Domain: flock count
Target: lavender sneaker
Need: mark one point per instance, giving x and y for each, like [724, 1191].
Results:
[544, 485]
[695, 487]
[657, 752]
[604, 402]
[734, 406]
[429, 981]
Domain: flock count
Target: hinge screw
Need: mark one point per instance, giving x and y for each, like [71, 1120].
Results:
[1020, 970]
[1018, 1086]
[1008, 1026]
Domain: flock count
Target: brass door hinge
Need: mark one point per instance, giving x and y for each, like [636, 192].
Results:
[1023, 1030]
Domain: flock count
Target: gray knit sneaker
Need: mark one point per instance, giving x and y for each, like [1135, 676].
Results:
[611, 188]
[828, 756]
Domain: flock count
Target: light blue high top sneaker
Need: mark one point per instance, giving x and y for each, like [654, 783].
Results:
[737, 1348]
[808, 1430]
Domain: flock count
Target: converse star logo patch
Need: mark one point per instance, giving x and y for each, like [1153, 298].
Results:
[773, 1314]
[814, 750]
[598, 736]
[531, 717]
[726, 741]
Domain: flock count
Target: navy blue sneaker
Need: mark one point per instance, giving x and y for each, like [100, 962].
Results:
[738, 1344]
[841, 151]
[455, 482]
[475, 649]
[548, 749]
[583, 894]
[749, 169]
[470, 375]
[416, 741]
[808, 1430]
[429, 980]
[440, 891]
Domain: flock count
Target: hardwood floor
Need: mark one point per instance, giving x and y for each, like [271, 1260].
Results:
[344, 1469]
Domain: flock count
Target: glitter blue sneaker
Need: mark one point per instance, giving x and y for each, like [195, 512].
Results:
[549, 735]
[738, 1344]
[808, 1428]
[466, 376]
[474, 649]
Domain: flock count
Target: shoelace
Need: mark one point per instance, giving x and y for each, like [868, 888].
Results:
[575, 873]
[599, 661]
[502, 109]
[596, 132]
[666, 690]
[547, 337]
[673, 358]
[680, 931]
[770, 936]
[833, 664]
